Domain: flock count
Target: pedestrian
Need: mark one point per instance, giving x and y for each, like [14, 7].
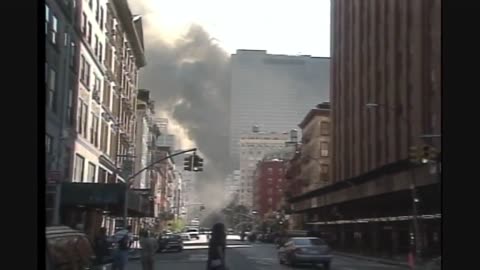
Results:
[149, 246]
[123, 239]
[216, 248]
[101, 245]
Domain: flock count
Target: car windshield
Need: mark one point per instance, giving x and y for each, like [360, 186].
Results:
[309, 242]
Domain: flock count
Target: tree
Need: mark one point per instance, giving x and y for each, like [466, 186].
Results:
[177, 225]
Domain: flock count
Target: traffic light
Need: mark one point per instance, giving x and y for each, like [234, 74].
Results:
[425, 153]
[197, 163]
[428, 153]
[414, 154]
[187, 163]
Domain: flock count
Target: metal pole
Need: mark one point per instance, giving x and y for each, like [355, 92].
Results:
[128, 180]
[415, 217]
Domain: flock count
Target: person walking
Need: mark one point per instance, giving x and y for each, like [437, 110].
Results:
[101, 245]
[149, 246]
[216, 248]
[123, 239]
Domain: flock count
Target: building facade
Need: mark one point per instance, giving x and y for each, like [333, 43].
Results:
[269, 187]
[258, 80]
[253, 147]
[314, 150]
[385, 97]
[94, 52]
[146, 135]
[232, 187]
[61, 45]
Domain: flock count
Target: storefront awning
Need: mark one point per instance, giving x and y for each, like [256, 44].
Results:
[92, 194]
[109, 197]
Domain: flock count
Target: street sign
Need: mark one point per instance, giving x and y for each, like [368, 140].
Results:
[53, 177]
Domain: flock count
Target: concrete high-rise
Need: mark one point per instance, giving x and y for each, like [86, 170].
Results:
[273, 91]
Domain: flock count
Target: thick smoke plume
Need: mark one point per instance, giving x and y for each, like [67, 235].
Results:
[188, 79]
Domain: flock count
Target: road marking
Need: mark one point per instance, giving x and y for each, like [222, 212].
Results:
[198, 257]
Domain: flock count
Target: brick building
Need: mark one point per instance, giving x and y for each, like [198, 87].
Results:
[269, 186]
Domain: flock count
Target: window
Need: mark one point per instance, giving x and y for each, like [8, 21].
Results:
[113, 143]
[96, 86]
[95, 48]
[100, 51]
[270, 170]
[47, 18]
[79, 167]
[269, 181]
[84, 24]
[89, 33]
[101, 18]
[52, 95]
[82, 118]
[97, 11]
[66, 162]
[73, 48]
[49, 144]
[70, 111]
[54, 29]
[91, 172]
[85, 72]
[324, 168]
[324, 128]
[104, 137]
[102, 175]
[106, 94]
[324, 149]
[94, 130]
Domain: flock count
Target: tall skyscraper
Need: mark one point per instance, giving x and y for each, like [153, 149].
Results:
[274, 91]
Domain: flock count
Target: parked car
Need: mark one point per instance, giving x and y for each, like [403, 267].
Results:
[170, 242]
[67, 248]
[311, 250]
[194, 233]
[185, 236]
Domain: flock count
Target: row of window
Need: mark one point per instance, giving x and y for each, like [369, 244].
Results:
[91, 172]
[98, 133]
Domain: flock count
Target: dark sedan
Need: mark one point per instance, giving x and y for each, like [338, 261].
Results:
[170, 242]
[311, 250]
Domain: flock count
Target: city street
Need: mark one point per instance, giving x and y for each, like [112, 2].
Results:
[251, 257]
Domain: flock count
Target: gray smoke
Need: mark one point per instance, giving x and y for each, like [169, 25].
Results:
[189, 80]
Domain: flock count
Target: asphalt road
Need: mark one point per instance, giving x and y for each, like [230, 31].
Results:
[250, 257]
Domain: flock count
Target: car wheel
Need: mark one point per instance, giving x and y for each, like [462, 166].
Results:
[326, 266]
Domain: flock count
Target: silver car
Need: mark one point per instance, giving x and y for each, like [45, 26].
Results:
[311, 250]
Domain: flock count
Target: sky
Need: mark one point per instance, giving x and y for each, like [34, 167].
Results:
[280, 27]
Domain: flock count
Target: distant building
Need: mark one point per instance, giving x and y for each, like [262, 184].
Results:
[314, 150]
[269, 186]
[253, 147]
[273, 92]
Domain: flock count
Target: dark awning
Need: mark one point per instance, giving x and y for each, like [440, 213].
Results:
[92, 194]
[106, 196]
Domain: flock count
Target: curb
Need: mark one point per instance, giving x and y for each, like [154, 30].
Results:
[379, 260]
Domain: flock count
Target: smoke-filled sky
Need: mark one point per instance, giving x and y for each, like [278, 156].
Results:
[188, 46]
[279, 26]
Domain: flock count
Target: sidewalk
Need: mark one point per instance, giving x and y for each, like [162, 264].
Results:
[424, 266]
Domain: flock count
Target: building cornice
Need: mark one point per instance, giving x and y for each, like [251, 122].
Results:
[126, 19]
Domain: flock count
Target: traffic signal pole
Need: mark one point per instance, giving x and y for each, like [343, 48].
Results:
[129, 181]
